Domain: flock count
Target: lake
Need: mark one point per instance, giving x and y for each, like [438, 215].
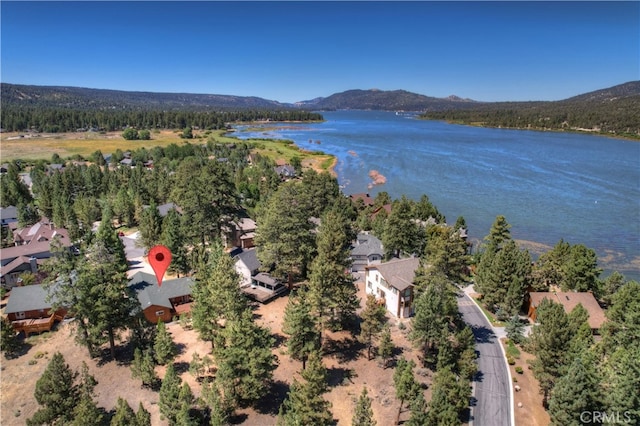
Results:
[582, 188]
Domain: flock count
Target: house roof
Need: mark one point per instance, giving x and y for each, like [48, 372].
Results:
[266, 279]
[14, 264]
[41, 231]
[570, 300]
[246, 224]
[165, 208]
[37, 249]
[149, 293]
[386, 208]
[250, 259]
[10, 212]
[398, 273]
[27, 298]
[366, 245]
[366, 198]
[285, 170]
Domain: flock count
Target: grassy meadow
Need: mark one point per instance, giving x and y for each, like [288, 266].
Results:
[29, 147]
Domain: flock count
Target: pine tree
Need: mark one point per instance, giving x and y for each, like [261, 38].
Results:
[363, 415]
[419, 413]
[374, 317]
[172, 237]
[301, 328]
[57, 392]
[400, 230]
[186, 399]
[142, 368]
[103, 299]
[405, 383]
[284, 236]
[86, 412]
[515, 330]
[143, 417]
[219, 409]
[448, 399]
[498, 234]
[124, 415]
[445, 253]
[386, 346]
[216, 295]
[550, 342]
[169, 396]
[576, 392]
[150, 226]
[503, 277]
[244, 359]
[332, 293]
[10, 344]
[164, 348]
[305, 404]
[622, 381]
[435, 310]
[623, 326]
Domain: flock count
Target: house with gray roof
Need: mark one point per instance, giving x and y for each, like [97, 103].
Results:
[247, 265]
[8, 215]
[172, 298]
[366, 250]
[392, 283]
[29, 309]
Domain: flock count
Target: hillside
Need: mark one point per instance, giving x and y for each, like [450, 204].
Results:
[84, 98]
[385, 100]
[612, 111]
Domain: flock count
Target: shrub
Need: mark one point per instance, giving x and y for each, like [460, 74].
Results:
[519, 369]
[510, 360]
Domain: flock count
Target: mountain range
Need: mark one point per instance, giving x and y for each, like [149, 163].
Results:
[373, 99]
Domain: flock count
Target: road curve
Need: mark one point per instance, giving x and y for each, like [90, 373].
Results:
[491, 401]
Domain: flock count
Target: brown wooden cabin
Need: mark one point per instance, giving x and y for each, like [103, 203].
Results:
[164, 302]
[30, 312]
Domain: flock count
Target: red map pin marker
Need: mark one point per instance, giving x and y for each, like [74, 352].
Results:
[159, 258]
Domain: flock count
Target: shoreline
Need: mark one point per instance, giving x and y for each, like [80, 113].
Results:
[571, 131]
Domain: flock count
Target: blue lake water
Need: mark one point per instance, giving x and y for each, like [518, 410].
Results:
[582, 188]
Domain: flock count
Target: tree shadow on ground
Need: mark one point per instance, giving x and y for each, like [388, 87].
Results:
[180, 348]
[181, 367]
[337, 376]
[270, 404]
[344, 350]
[238, 418]
[483, 334]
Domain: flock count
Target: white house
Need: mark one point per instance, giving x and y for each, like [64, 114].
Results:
[247, 266]
[392, 282]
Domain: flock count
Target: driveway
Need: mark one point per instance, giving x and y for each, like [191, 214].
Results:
[491, 402]
[135, 255]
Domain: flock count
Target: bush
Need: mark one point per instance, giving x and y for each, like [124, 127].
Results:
[130, 134]
[519, 370]
[510, 360]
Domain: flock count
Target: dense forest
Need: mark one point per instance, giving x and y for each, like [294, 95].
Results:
[54, 120]
[613, 111]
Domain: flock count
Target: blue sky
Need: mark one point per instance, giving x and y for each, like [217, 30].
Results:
[293, 51]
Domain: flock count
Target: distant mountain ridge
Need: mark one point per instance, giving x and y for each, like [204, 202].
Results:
[86, 98]
[375, 99]
[18, 95]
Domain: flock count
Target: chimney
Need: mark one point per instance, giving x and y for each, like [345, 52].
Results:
[33, 264]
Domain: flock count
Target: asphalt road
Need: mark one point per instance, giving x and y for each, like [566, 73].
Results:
[491, 403]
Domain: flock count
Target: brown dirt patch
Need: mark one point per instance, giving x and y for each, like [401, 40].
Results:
[347, 374]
